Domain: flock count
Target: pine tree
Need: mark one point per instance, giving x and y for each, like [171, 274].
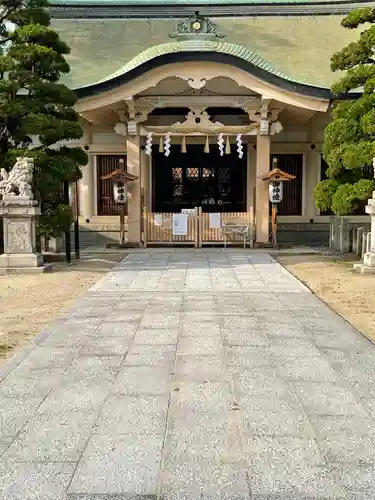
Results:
[35, 108]
[349, 140]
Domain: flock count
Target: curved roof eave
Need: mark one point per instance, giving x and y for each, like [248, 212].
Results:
[220, 52]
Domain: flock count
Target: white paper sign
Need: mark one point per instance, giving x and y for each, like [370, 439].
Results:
[158, 219]
[215, 221]
[180, 224]
[188, 211]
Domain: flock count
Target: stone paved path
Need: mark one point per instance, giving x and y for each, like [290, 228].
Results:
[192, 376]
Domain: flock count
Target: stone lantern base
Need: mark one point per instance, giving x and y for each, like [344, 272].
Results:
[368, 265]
[19, 221]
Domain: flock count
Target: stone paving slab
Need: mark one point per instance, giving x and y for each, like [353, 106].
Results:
[191, 375]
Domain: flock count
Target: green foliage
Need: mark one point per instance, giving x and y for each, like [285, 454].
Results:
[323, 193]
[55, 221]
[33, 104]
[349, 145]
[344, 199]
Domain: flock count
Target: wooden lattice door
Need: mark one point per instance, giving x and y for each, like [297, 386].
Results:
[105, 165]
[292, 200]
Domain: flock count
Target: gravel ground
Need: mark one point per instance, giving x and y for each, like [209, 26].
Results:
[333, 280]
[29, 302]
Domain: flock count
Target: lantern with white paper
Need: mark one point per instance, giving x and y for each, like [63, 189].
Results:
[120, 178]
[120, 194]
[276, 178]
[275, 189]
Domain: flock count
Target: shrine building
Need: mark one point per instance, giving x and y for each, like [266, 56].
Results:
[196, 99]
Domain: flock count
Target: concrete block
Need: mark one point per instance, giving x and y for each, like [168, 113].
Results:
[142, 380]
[329, 324]
[305, 368]
[291, 452]
[170, 321]
[31, 481]
[274, 423]
[326, 398]
[117, 464]
[196, 404]
[273, 482]
[136, 414]
[329, 425]
[200, 367]
[282, 330]
[192, 441]
[191, 478]
[115, 329]
[56, 436]
[357, 479]
[49, 358]
[293, 347]
[156, 336]
[267, 395]
[30, 384]
[257, 361]
[200, 329]
[349, 447]
[151, 355]
[245, 338]
[14, 414]
[107, 346]
[200, 346]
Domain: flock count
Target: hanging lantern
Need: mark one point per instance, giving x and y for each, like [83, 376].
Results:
[220, 143]
[148, 149]
[120, 193]
[227, 146]
[207, 145]
[183, 145]
[239, 145]
[275, 190]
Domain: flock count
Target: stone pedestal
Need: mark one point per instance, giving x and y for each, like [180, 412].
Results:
[56, 244]
[19, 220]
[368, 266]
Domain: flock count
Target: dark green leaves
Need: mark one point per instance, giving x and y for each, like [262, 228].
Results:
[349, 140]
[33, 104]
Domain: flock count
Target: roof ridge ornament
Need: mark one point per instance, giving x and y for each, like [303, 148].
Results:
[196, 27]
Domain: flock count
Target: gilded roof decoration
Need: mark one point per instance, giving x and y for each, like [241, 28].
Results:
[196, 27]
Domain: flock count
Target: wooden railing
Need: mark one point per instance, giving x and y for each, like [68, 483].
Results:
[158, 229]
[212, 236]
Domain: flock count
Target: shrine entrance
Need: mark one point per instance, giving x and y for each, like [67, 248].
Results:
[198, 179]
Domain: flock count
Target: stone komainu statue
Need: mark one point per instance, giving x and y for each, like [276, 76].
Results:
[17, 182]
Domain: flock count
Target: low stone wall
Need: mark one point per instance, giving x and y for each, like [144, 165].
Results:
[310, 234]
[298, 233]
[346, 234]
[361, 241]
[97, 235]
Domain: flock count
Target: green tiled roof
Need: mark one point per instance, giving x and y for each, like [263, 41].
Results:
[195, 46]
[295, 47]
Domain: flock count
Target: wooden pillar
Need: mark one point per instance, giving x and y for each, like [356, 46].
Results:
[87, 182]
[262, 197]
[145, 178]
[312, 177]
[134, 189]
[251, 177]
